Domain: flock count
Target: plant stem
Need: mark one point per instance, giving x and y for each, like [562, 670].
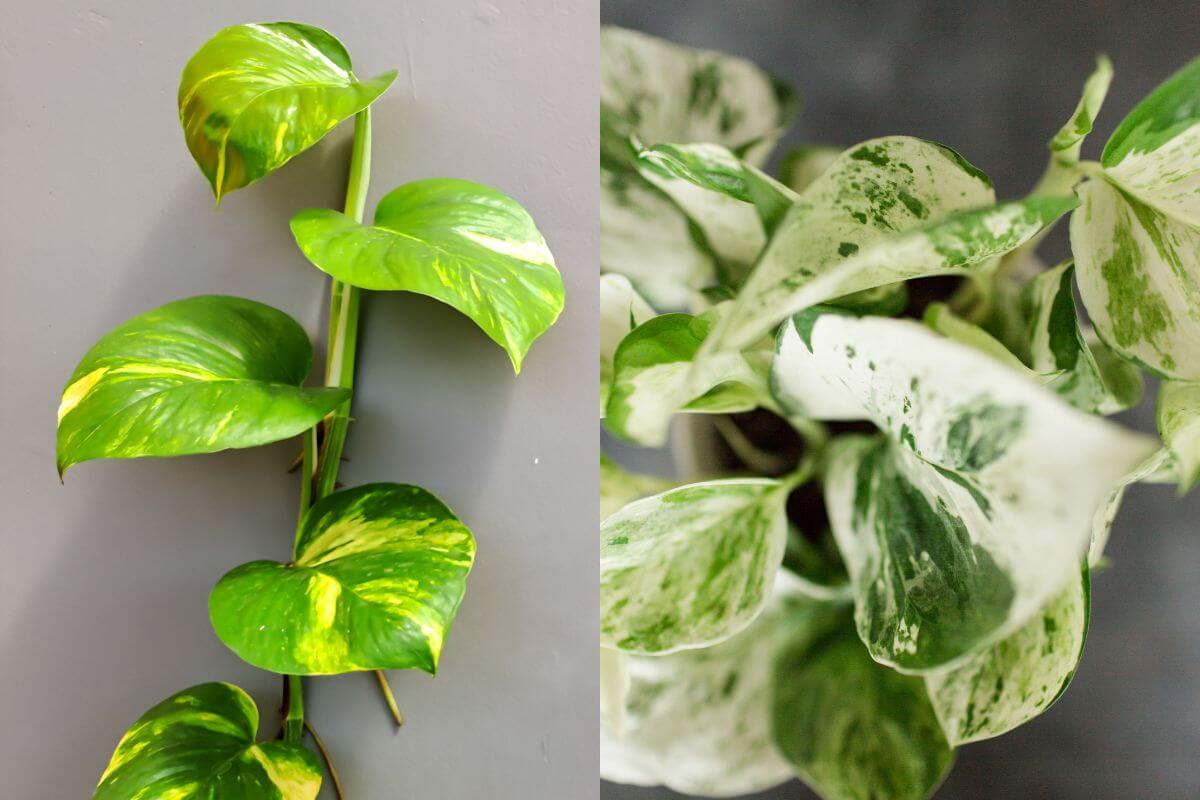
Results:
[293, 720]
[333, 776]
[389, 698]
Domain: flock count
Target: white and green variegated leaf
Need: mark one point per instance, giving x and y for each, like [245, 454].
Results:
[462, 243]
[648, 239]
[1154, 154]
[1082, 370]
[663, 92]
[797, 383]
[735, 204]
[619, 487]
[376, 578]
[689, 567]
[1139, 276]
[804, 165]
[852, 728]
[975, 508]
[699, 721]
[195, 376]
[199, 744]
[1159, 467]
[1178, 415]
[884, 212]
[621, 310]
[1069, 139]
[940, 318]
[654, 377]
[1017, 678]
[614, 690]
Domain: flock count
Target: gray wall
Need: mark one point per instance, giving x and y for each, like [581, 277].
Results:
[995, 80]
[104, 581]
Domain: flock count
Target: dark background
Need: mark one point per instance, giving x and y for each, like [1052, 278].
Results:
[995, 82]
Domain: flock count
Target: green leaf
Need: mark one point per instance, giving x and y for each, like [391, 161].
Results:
[653, 377]
[1017, 678]
[822, 248]
[699, 721]
[802, 166]
[1154, 154]
[660, 92]
[1067, 142]
[375, 581]
[1083, 370]
[199, 744]
[975, 508]
[1139, 276]
[621, 310]
[255, 96]
[854, 729]
[194, 376]
[940, 318]
[1178, 416]
[689, 567]
[619, 487]
[459, 242]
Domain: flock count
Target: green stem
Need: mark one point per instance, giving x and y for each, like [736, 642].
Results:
[343, 315]
[389, 698]
[293, 720]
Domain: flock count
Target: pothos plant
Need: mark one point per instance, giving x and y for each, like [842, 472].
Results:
[376, 572]
[910, 568]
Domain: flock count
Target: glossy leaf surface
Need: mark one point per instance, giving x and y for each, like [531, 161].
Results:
[975, 508]
[194, 376]
[689, 567]
[1017, 678]
[377, 576]
[199, 745]
[459, 242]
[854, 729]
[255, 96]
[699, 721]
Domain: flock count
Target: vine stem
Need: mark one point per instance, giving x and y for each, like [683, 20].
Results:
[389, 698]
[319, 471]
[333, 775]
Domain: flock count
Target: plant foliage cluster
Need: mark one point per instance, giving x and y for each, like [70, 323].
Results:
[962, 466]
[377, 572]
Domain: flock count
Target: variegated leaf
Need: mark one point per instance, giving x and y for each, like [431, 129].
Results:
[854, 729]
[1017, 678]
[459, 242]
[847, 232]
[661, 92]
[804, 165]
[1154, 154]
[1067, 142]
[619, 487]
[255, 96]
[621, 310]
[195, 376]
[1159, 467]
[1139, 276]
[1082, 370]
[689, 567]
[1179, 426]
[614, 690]
[940, 318]
[699, 721]
[375, 581]
[654, 377]
[199, 745]
[976, 508]
[797, 383]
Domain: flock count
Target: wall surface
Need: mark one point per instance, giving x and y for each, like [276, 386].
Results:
[104, 581]
[995, 81]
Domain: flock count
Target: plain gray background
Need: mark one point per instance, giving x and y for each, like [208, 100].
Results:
[104, 581]
[995, 81]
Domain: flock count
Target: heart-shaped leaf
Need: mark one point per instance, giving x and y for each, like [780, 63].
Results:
[699, 721]
[852, 728]
[194, 376]
[255, 96]
[1017, 678]
[376, 579]
[199, 744]
[689, 567]
[1154, 154]
[1139, 276]
[976, 508]
[459, 242]
[621, 310]
[654, 377]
